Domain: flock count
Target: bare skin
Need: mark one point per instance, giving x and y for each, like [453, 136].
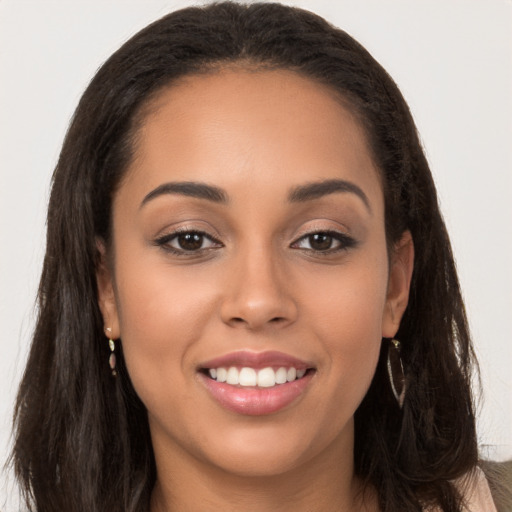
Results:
[256, 266]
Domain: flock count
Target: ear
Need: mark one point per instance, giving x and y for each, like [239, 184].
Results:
[106, 294]
[400, 274]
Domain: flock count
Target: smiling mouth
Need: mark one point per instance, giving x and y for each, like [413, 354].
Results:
[257, 383]
[245, 376]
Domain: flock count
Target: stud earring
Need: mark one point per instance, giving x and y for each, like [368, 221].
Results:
[396, 372]
[112, 358]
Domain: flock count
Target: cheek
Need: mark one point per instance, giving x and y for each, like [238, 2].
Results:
[349, 302]
[162, 314]
[347, 316]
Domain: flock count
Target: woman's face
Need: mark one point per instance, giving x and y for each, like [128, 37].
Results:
[249, 244]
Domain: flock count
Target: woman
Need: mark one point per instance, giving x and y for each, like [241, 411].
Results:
[242, 226]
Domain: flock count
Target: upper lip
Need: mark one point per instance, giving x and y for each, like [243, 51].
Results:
[256, 360]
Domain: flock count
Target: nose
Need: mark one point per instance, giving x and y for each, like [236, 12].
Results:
[258, 293]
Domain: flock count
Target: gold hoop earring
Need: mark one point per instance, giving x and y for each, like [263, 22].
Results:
[396, 372]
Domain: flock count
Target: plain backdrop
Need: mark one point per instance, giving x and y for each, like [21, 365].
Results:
[452, 60]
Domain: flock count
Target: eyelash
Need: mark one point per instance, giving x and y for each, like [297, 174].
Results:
[344, 241]
[165, 240]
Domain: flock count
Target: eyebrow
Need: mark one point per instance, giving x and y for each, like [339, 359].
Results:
[320, 189]
[302, 193]
[189, 189]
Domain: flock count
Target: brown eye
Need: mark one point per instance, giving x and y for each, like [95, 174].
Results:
[326, 242]
[320, 241]
[187, 242]
[190, 241]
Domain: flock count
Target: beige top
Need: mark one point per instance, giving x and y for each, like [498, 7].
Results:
[476, 492]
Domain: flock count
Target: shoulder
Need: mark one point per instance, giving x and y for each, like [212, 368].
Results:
[475, 489]
[499, 478]
[487, 488]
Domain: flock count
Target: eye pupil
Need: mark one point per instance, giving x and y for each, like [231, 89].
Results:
[190, 241]
[320, 241]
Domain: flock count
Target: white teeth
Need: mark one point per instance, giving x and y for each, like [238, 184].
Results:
[264, 378]
[221, 374]
[281, 376]
[232, 376]
[247, 377]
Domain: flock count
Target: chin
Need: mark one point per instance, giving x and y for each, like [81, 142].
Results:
[263, 463]
[270, 450]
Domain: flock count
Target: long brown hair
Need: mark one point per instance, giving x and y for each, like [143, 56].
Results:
[81, 438]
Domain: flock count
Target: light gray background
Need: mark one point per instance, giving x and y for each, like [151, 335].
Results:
[452, 60]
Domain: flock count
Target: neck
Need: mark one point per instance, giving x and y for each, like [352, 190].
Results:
[326, 483]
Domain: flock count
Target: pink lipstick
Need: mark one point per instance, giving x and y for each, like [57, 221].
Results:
[256, 383]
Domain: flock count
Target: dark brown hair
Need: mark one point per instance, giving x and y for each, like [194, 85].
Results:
[81, 438]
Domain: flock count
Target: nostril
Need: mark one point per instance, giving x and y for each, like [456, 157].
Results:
[237, 320]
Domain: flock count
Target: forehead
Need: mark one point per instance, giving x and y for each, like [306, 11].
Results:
[264, 126]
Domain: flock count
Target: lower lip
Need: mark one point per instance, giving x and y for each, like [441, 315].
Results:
[254, 401]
